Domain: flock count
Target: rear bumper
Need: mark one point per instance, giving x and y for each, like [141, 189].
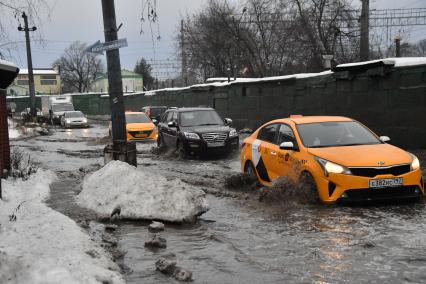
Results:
[341, 188]
[152, 136]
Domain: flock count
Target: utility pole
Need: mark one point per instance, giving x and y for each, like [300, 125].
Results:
[182, 45]
[365, 33]
[29, 63]
[398, 46]
[115, 85]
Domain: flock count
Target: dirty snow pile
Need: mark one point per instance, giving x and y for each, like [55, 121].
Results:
[140, 195]
[40, 245]
[13, 131]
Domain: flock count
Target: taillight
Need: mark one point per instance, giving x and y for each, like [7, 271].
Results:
[243, 145]
[148, 113]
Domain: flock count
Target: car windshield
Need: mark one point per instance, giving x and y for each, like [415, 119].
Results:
[62, 107]
[200, 117]
[74, 114]
[137, 118]
[332, 134]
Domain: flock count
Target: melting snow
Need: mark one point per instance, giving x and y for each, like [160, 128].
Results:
[140, 195]
[40, 245]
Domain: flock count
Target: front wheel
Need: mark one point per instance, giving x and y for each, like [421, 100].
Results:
[308, 187]
[160, 142]
[181, 150]
[250, 171]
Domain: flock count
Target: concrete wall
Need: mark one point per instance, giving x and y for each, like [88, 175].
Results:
[388, 100]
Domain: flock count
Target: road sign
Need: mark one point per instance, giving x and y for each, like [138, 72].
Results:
[99, 47]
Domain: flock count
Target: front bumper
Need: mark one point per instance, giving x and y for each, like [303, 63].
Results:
[340, 187]
[199, 146]
[76, 124]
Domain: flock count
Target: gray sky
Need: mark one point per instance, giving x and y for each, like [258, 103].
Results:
[82, 20]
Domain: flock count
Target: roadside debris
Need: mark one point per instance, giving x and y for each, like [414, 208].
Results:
[140, 195]
[167, 265]
[156, 242]
[156, 227]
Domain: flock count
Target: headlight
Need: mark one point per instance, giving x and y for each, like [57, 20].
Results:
[330, 167]
[191, 135]
[84, 119]
[67, 120]
[415, 164]
[233, 132]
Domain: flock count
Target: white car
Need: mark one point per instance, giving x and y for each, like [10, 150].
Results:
[74, 119]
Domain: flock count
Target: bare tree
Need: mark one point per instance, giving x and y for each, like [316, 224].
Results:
[269, 37]
[11, 13]
[78, 68]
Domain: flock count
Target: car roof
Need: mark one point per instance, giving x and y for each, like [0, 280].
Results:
[134, 112]
[183, 109]
[313, 119]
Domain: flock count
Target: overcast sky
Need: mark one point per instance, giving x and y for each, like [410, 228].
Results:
[82, 20]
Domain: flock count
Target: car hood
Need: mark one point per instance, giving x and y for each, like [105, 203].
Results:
[139, 126]
[363, 155]
[72, 119]
[206, 128]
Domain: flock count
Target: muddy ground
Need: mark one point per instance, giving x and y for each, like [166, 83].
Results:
[241, 240]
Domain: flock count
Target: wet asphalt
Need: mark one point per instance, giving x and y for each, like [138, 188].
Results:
[240, 239]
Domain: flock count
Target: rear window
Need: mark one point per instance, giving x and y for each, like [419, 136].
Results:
[155, 111]
[137, 118]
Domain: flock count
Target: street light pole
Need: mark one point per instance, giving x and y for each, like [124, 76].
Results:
[115, 84]
[29, 63]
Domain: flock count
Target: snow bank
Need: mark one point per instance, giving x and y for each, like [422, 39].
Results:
[140, 195]
[40, 245]
[13, 132]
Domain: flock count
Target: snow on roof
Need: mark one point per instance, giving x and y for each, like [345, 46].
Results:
[395, 61]
[40, 72]
[6, 65]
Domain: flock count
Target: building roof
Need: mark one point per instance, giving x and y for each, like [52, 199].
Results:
[40, 71]
[124, 74]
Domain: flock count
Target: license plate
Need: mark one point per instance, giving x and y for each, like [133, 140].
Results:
[216, 144]
[385, 182]
[141, 135]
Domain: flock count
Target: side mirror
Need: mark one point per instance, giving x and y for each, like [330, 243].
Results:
[384, 138]
[228, 121]
[287, 146]
[171, 124]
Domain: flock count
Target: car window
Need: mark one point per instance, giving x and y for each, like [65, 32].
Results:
[174, 117]
[200, 117]
[285, 134]
[334, 134]
[169, 116]
[268, 133]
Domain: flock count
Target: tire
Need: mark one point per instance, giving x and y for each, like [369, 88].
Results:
[181, 150]
[309, 188]
[160, 142]
[250, 171]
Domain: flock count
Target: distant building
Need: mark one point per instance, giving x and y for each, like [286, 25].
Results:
[46, 82]
[132, 82]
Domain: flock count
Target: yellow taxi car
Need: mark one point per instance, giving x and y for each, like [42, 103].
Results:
[338, 158]
[139, 127]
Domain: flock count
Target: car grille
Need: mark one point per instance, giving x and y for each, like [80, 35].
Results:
[214, 137]
[382, 193]
[375, 171]
[137, 133]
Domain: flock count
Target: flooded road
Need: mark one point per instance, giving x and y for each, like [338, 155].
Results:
[242, 240]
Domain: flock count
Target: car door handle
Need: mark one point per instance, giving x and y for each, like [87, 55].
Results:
[273, 153]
